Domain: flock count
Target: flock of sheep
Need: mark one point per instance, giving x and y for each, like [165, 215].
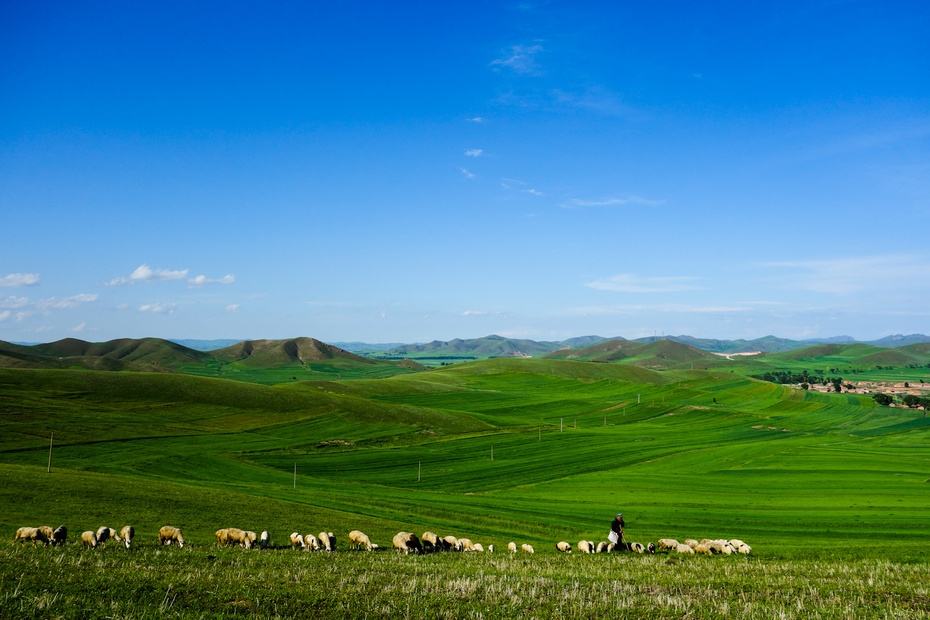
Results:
[406, 542]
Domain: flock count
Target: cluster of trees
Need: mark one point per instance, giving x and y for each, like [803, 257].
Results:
[804, 378]
[908, 399]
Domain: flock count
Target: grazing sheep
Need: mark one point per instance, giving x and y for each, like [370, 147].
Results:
[667, 544]
[611, 547]
[48, 531]
[637, 547]
[407, 542]
[127, 532]
[311, 543]
[33, 534]
[651, 548]
[297, 541]
[702, 549]
[691, 542]
[744, 549]
[430, 542]
[465, 544]
[453, 543]
[359, 540]
[264, 540]
[89, 539]
[250, 538]
[602, 547]
[512, 547]
[585, 546]
[222, 537]
[561, 546]
[525, 548]
[478, 547]
[491, 548]
[105, 533]
[685, 549]
[169, 534]
[327, 541]
[720, 547]
[59, 535]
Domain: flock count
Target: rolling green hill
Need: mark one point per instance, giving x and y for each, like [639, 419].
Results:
[487, 347]
[259, 361]
[662, 354]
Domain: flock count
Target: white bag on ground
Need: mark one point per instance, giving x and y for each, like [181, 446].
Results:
[613, 537]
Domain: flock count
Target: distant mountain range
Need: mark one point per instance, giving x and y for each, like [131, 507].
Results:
[499, 346]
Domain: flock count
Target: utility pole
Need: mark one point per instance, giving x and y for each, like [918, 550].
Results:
[50, 441]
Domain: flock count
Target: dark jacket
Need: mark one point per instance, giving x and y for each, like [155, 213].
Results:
[617, 526]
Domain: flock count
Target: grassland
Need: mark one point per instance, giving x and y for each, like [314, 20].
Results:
[830, 490]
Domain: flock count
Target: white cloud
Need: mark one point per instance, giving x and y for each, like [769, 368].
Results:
[474, 152]
[14, 302]
[520, 59]
[630, 283]
[23, 315]
[62, 303]
[468, 174]
[476, 119]
[232, 308]
[617, 201]
[158, 308]
[19, 279]
[474, 313]
[532, 191]
[632, 309]
[201, 280]
[849, 275]
[144, 273]
[79, 327]
[596, 100]
[4, 315]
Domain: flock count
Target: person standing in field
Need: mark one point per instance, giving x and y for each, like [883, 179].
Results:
[616, 532]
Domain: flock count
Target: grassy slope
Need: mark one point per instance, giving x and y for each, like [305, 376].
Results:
[780, 468]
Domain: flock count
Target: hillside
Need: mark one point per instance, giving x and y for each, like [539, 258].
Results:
[121, 354]
[657, 354]
[292, 351]
[486, 347]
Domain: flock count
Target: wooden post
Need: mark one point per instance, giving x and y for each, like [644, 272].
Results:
[51, 440]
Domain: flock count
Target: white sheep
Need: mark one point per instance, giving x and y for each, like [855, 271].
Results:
[264, 540]
[168, 534]
[452, 543]
[561, 546]
[127, 532]
[31, 534]
[585, 546]
[327, 541]
[637, 547]
[527, 548]
[407, 542]
[667, 544]
[297, 541]
[105, 533]
[478, 547]
[512, 547]
[431, 542]
[359, 540]
[311, 543]
[89, 538]
[491, 548]
[602, 547]
[685, 549]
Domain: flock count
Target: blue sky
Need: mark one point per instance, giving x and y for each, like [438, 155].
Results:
[404, 172]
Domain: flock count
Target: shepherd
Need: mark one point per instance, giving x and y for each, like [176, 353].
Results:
[616, 532]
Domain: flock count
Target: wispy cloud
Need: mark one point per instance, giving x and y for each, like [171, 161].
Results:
[468, 174]
[614, 201]
[633, 309]
[631, 283]
[476, 119]
[158, 308]
[853, 274]
[202, 280]
[80, 327]
[144, 273]
[232, 308]
[5, 314]
[19, 279]
[520, 59]
[595, 99]
[532, 191]
[63, 303]
[474, 152]
[14, 302]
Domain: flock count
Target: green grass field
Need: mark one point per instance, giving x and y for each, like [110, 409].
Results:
[831, 491]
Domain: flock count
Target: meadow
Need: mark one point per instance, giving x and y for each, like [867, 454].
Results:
[830, 490]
